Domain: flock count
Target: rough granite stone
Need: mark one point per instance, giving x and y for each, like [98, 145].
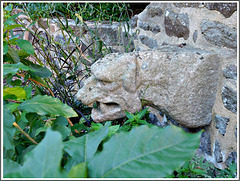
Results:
[133, 21]
[230, 72]
[176, 24]
[217, 152]
[205, 143]
[221, 123]
[219, 34]
[149, 27]
[180, 84]
[154, 120]
[232, 157]
[229, 95]
[195, 35]
[150, 42]
[184, 5]
[226, 9]
[153, 11]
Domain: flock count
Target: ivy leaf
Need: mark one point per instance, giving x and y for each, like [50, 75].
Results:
[83, 148]
[44, 105]
[8, 129]
[44, 160]
[144, 152]
[25, 45]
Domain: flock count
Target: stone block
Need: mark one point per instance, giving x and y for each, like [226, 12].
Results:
[221, 123]
[230, 72]
[229, 95]
[181, 84]
[219, 34]
[176, 24]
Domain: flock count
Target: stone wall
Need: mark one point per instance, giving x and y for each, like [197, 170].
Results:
[209, 26]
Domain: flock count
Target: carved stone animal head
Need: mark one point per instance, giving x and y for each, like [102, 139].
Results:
[180, 82]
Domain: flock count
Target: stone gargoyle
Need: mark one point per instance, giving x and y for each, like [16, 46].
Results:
[180, 82]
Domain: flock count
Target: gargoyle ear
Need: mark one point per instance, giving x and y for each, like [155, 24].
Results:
[129, 78]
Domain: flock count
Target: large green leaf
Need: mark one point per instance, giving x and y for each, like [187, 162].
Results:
[9, 27]
[83, 148]
[13, 68]
[44, 160]
[8, 129]
[44, 105]
[78, 171]
[144, 152]
[25, 45]
[10, 166]
[19, 92]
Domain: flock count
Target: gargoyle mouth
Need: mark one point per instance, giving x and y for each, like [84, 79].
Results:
[107, 111]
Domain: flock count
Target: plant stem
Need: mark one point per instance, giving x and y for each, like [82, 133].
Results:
[23, 132]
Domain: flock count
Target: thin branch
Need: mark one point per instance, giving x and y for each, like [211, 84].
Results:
[23, 132]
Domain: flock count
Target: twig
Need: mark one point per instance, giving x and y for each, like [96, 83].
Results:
[13, 101]
[32, 140]
[70, 122]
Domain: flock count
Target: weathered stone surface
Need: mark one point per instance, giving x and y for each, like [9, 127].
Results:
[181, 84]
[153, 11]
[195, 35]
[232, 157]
[229, 95]
[205, 143]
[230, 72]
[176, 24]
[154, 120]
[221, 123]
[226, 9]
[150, 42]
[219, 34]
[149, 27]
[133, 21]
[184, 5]
[217, 152]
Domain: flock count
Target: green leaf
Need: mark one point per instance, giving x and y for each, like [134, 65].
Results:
[10, 19]
[65, 131]
[83, 148]
[28, 92]
[112, 130]
[44, 160]
[25, 45]
[12, 106]
[41, 129]
[19, 92]
[13, 68]
[22, 54]
[40, 71]
[61, 121]
[11, 56]
[8, 129]
[10, 166]
[78, 171]
[96, 126]
[8, 7]
[142, 113]
[144, 152]
[129, 115]
[23, 117]
[5, 47]
[198, 171]
[10, 27]
[44, 105]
